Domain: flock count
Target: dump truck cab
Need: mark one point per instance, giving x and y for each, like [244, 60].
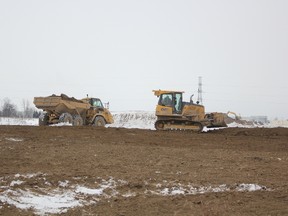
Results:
[94, 103]
[97, 114]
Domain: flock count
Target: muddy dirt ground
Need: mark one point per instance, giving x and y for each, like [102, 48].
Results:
[148, 163]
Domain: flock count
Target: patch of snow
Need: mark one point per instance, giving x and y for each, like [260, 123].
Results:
[129, 194]
[205, 129]
[29, 175]
[53, 203]
[14, 139]
[177, 191]
[63, 183]
[85, 190]
[190, 190]
[18, 121]
[249, 187]
[134, 119]
[220, 188]
[56, 201]
[165, 191]
[47, 183]
[234, 124]
[16, 182]
[158, 185]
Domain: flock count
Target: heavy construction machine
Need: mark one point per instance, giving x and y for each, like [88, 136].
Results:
[58, 109]
[173, 113]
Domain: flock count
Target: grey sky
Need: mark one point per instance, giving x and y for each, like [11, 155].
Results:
[121, 50]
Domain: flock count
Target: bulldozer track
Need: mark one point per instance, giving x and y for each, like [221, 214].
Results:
[178, 125]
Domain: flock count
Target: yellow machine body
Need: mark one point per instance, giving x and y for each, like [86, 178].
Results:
[173, 113]
[88, 111]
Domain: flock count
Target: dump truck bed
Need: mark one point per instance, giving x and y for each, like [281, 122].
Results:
[60, 104]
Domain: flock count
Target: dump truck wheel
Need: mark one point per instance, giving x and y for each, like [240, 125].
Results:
[77, 121]
[66, 118]
[99, 121]
[43, 119]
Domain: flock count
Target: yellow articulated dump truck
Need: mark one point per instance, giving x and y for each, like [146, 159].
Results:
[64, 109]
[173, 113]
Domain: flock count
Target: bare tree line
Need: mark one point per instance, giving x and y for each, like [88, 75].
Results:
[9, 109]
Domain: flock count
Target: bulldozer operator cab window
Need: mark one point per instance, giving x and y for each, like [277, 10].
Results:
[173, 100]
[96, 103]
[166, 100]
[178, 102]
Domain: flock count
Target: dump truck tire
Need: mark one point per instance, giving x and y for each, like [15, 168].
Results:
[77, 121]
[99, 121]
[66, 118]
[43, 119]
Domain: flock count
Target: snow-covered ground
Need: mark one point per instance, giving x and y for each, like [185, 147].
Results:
[46, 199]
[18, 121]
[133, 119]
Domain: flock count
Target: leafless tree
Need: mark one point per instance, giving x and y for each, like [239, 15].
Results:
[8, 108]
[27, 109]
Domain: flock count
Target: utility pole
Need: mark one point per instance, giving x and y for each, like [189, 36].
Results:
[200, 90]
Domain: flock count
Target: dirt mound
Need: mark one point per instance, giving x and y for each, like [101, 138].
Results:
[117, 171]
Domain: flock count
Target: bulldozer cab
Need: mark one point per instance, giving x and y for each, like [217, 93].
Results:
[173, 100]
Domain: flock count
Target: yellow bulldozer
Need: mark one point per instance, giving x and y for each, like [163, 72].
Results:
[64, 109]
[175, 114]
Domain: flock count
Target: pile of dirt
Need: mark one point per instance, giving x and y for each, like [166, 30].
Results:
[117, 171]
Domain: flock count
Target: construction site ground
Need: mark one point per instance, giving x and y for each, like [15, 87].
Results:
[232, 171]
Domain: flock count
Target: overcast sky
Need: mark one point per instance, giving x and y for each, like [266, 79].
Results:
[121, 50]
